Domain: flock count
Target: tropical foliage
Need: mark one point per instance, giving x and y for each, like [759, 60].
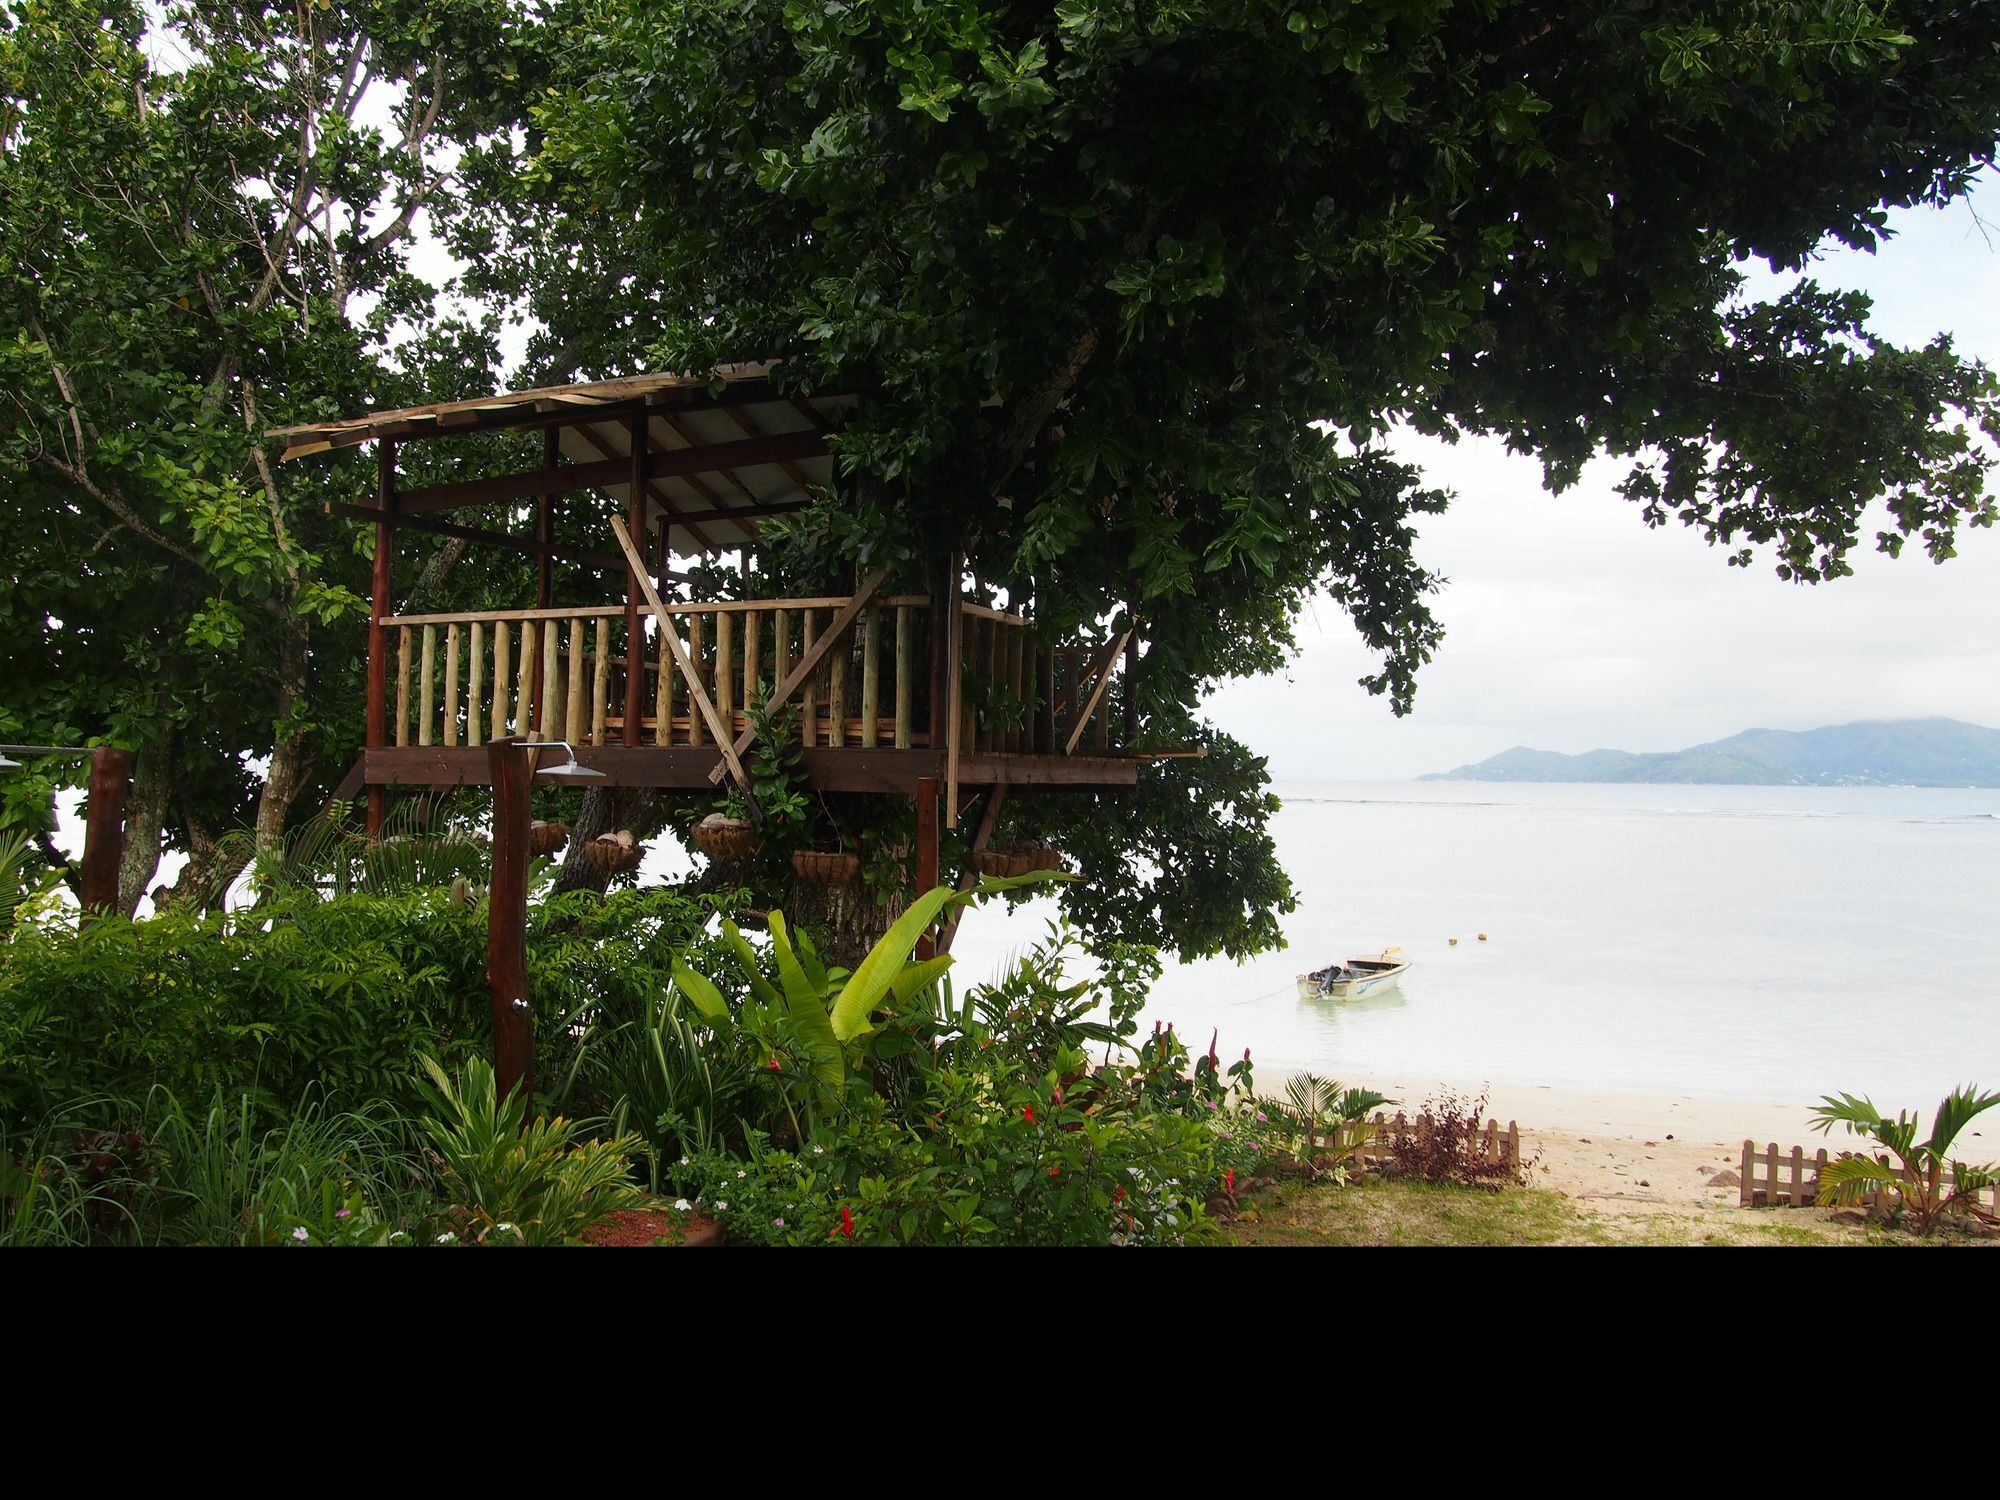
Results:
[1920, 1177]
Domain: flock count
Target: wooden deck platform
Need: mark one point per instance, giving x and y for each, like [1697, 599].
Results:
[688, 768]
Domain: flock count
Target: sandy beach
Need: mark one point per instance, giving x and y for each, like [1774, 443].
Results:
[1634, 1158]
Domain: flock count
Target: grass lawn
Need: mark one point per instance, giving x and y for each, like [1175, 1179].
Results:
[1377, 1212]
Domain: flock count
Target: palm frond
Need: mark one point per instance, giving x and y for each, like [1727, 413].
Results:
[1859, 1115]
[1960, 1106]
[1850, 1179]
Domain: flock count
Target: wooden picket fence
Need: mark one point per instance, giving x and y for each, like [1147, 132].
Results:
[1791, 1180]
[1497, 1146]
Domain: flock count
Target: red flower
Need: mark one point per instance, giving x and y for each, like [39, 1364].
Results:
[774, 1066]
[1213, 1037]
[846, 1224]
[1055, 1171]
[1229, 1182]
[1246, 1054]
[1117, 1192]
[1058, 1098]
[1028, 1114]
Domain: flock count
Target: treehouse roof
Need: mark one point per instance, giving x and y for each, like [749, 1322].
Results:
[721, 451]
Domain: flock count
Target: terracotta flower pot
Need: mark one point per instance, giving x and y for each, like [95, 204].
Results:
[726, 838]
[819, 867]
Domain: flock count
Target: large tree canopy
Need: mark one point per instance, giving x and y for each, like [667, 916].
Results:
[206, 229]
[1137, 289]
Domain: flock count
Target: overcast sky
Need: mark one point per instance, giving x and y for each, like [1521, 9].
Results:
[1570, 626]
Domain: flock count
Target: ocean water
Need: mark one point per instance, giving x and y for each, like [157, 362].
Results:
[1758, 943]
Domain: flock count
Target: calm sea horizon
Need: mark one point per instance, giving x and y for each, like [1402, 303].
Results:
[1731, 942]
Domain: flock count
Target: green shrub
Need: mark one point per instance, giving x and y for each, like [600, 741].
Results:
[996, 1155]
[515, 1181]
[303, 996]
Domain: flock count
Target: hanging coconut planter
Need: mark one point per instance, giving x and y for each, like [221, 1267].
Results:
[615, 853]
[721, 837]
[821, 867]
[1016, 859]
[546, 838]
[999, 864]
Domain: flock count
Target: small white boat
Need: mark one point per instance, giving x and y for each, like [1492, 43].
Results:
[1364, 975]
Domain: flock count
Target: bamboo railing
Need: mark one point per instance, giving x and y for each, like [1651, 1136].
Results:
[464, 678]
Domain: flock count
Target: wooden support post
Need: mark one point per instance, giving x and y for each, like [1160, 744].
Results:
[378, 636]
[663, 694]
[600, 681]
[501, 684]
[753, 658]
[1045, 702]
[906, 674]
[524, 707]
[836, 695]
[1131, 735]
[574, 722]
[927, 851]
[104, 828]
[545, 525]
[695, 650]
[476, 683]
[402, 685]
[955, 706]
[944, 640]
[725, 669]
[451, 685]
[1017, 687]
[871, 676]
[781, 645]
[427, 684]
[511, 769]
[551, 689]
[635, 576]
[808, 701]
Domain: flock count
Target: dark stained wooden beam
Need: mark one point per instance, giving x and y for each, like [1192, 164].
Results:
[509, 771]
[927, 851]
[377, 727]
[104, 828]
[686, 768]
[527, 546]
[708, 458]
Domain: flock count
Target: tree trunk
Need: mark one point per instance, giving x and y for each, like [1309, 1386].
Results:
[145, 816]
[291, 761]
[845, 920]
[599, 814]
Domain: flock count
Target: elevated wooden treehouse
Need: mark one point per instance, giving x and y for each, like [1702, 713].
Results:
[923, 695]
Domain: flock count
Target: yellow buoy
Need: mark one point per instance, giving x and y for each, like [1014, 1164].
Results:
[1454, 942]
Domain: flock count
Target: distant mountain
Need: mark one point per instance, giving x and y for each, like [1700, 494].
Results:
[1894, 752]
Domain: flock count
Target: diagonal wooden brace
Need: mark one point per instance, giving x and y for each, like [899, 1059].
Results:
[1102, 672]
[697, 694]
[835, 633]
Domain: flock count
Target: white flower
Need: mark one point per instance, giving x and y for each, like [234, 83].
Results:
[684, 1161]
[779, 1222]
[447, 1238]
[397, 1234]
[819, 1151]
[721, 1207]
[300, 1234]
[681, 1205]
[509, 1228]
[740, 1173]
